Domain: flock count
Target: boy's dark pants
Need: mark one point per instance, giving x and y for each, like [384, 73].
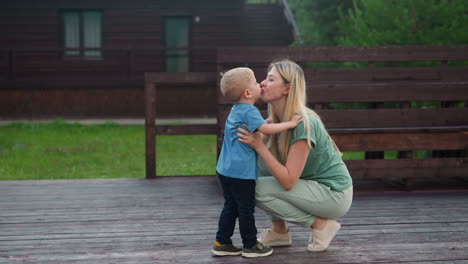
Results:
[239, 203]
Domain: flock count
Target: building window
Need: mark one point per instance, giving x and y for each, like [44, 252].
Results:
[82, 29]
[177, 43]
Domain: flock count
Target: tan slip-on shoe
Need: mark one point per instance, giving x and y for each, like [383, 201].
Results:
[270, 238]
[319, 240]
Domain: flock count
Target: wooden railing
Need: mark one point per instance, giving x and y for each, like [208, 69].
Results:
[154, 80]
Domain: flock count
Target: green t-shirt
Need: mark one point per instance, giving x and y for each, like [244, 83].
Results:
[324, 164]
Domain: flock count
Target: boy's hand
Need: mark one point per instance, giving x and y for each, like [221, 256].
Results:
[295, 120]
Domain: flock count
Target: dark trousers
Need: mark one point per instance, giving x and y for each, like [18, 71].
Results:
[239, 202]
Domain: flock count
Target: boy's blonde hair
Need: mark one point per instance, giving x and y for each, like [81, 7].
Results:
[234, 82]
[296, 103]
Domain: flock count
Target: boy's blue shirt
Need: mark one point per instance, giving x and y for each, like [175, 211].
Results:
[239, 160]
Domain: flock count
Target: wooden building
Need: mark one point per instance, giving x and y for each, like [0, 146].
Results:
[67, 58]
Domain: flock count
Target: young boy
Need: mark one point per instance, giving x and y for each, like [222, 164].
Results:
[237, 165]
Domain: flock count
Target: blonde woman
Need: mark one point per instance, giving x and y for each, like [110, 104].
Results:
[311, 185]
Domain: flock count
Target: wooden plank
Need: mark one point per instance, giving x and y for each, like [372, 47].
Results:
[401, 141]
[415, 129]
[405, 127]
[174, 220]
[386, 118]
[381, 75]
[337, 54]
[150, 129]
[149, 241]
[408, 168]
[387, 92]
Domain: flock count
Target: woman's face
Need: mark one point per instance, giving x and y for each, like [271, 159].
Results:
[273, 87]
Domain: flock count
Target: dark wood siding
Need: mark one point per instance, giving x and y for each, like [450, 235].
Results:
[132, 43]
[135, 25]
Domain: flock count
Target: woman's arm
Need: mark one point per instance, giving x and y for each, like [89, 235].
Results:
[287, 175]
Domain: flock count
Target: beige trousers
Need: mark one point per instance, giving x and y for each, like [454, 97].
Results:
[302, 204]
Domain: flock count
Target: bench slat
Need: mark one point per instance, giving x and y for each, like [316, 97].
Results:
[407, 74]
[385, 74]
[384, 92]
[383, 118]
[335, 54]
[407, 168]
[402, 141]
[387, 92]
[346, 121]
[415, 129]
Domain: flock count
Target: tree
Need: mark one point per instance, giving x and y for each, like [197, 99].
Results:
[317, 20]
[404, 22]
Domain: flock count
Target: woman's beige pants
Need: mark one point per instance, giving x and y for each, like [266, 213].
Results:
[302, 204]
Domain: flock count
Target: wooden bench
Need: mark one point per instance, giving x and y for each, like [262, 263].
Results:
[438, 135]
[405, 130]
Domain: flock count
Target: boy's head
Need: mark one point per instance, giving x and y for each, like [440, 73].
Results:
[234, 82]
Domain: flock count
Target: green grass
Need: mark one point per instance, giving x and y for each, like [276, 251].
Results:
[186, 155]
[60, 150]
[357, 155]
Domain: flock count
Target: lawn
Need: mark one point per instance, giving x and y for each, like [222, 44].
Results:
[61, 150]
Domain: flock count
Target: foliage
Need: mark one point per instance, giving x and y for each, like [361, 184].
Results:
[317, 19]
[381, 22]
[404, 22]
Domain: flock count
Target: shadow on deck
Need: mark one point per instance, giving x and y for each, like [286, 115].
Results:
[174, 220]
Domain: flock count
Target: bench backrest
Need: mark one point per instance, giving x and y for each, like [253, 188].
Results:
[388, 117]
[373, 84]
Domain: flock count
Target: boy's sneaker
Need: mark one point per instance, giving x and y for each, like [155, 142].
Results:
[319, 240]
[259, 250]
[270, 238]
[225, 249]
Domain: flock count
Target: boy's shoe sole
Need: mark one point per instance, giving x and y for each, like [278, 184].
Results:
[225, 253]
[254, 255]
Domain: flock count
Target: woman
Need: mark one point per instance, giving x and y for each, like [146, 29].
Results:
[311, 185]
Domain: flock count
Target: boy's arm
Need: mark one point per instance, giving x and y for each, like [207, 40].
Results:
[271, 129]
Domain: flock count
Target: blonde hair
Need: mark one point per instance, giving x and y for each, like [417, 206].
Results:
[234, 82]
[296, 103]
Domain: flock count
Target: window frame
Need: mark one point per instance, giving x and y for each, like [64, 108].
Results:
[82, 49]
[189, 17]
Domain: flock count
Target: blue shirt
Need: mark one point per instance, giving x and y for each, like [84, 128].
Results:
[239, 160]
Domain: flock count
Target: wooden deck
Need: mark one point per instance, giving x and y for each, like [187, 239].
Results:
[174, 220]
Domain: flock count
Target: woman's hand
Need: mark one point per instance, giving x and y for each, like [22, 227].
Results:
[254, 140]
